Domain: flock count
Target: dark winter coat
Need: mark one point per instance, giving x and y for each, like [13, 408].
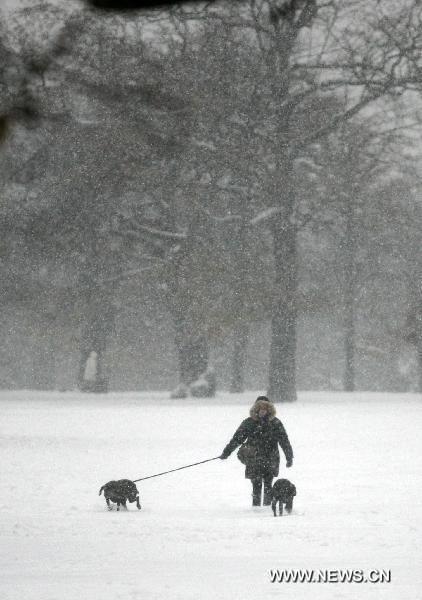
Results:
[264, 436]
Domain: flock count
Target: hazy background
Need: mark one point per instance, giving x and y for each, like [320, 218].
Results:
[152, 165]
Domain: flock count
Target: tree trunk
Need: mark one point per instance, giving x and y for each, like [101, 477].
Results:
[45, 359]
[349, 299]
[282, 372]
[418, 337]
[349, 340]
[44, 368]
[239, 309]
[191, 338]
[412, 333]
[419, 359]
[240, 347]
[282, 369]
[193, 358]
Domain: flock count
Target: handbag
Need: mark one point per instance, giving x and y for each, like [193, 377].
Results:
[246, 453]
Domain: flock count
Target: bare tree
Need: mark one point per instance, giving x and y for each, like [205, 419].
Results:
[304, 53]
[351, 162]
[310, 48]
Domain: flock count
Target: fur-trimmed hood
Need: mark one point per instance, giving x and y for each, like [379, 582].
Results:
[262, 404]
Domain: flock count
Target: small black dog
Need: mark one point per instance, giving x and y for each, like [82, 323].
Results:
[119, 492]
[283, 492]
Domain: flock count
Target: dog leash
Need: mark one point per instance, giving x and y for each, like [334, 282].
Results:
[178, 469]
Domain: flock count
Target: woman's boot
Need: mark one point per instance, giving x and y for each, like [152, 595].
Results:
[256, 492]
[268, 490]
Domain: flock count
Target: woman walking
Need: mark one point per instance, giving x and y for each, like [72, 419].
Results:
[260, 434]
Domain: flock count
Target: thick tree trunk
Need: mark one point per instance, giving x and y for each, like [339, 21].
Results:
[193, 358]
[240, 348]
[191, 342]
[282, 371]
[349, 300]
[191, 337]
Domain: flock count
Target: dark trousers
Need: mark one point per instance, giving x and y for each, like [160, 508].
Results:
[257, 482]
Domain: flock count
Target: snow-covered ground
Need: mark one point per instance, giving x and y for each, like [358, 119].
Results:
[357, 471]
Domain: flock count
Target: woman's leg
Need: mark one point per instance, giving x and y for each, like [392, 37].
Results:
[268, 483]
[256, 491]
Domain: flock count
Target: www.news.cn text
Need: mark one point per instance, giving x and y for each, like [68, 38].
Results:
[330, 576]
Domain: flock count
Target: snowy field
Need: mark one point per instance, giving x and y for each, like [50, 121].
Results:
[357, 471]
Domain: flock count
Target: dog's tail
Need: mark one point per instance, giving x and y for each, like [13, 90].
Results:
[99, 493]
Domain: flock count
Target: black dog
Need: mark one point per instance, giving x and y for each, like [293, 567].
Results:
[120, 492]
[283, 492]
